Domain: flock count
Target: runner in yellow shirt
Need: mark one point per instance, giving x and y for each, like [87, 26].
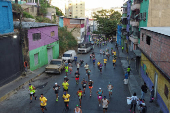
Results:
[114, 61]
[98, 65]
[105, 61]
[43, 103]
[65, 85]
[66, 100]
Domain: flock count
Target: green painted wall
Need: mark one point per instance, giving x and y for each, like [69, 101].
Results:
[124, 15]
[42, 55]
[144, 6]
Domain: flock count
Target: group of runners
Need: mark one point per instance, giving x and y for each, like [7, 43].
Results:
[81, 92]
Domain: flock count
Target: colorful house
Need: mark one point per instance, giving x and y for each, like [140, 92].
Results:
[155, 62]
[41, 43]
[11, 59]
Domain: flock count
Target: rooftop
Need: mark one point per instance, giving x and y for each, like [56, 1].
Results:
[28, 25]
[160, 30]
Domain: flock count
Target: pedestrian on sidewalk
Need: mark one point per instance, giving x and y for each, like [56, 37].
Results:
[126, 78]
[143, 91]
[128, 70]
[122, 49]
[105, 104]
[32, 92]
[26, 66]
[152, 95]
[43, 103]
[134, 102]
[56, 89]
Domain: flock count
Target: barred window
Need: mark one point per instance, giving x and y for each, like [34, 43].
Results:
[36, 36]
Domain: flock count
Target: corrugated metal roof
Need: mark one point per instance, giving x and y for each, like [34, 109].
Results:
[160, 30]
[28, 25]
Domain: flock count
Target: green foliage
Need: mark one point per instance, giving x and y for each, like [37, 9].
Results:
[43, 19]
[108, 21]
[27, 15]
[66, 39]
[43, 7]
[58, 11]
[96, 32]
[17, 8]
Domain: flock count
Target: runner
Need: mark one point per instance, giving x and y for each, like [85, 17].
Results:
[32, 92]
[94, 60]
[75, 59]
[56, 89]
[80, 93]
[66, 100]
[78, 66]
[43, 103]
[86, 68]
[65, 86]
[90, 56]
[66, 69]
[100, 51]
[105, 103]
[66, 79]
[103, 53]
[110, 87]
[81, 62]
[99, 95]
[100, 67]
[88, 74]
[77, 74]
[70, 67]
[90, 83]
[105, 61]
[77, 109]
[114, 61]
[84, 83]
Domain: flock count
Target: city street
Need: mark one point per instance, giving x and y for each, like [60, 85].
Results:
[19, 102]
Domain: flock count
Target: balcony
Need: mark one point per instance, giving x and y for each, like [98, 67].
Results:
[134, 39]
[135, 5]
[134, 23]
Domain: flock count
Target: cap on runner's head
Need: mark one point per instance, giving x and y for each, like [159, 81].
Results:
[104, 96]
[29, 84]
[77, 105]
[100, 88]
[56, 83]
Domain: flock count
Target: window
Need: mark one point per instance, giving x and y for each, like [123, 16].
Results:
[36, 36]
[144, 16]
[52, 33]
[166, 91]
[142, 36]
[148, 40]
[141, 16]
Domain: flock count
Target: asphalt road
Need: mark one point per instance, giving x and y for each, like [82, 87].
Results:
[19, 102]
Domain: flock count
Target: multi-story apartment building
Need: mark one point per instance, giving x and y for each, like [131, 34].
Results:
[75, 9]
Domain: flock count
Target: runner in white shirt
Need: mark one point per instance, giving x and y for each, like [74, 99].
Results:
[78, 66]
[105, 103]
[86, 67]
[110, 87]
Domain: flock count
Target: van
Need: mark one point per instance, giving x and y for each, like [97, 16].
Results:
[69, 55]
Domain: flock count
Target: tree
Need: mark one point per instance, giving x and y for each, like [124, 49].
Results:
[107, 21]
[58, 11]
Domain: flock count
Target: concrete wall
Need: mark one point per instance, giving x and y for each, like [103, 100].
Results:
[144, 8]
[32, 9]
[6, 17]
[159, 13]
[158, 50]
[43, 55]
[148, 71]
[46, 37]
[11, 59]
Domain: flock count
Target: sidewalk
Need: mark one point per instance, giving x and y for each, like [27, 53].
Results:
[12, 87]
[136, 81]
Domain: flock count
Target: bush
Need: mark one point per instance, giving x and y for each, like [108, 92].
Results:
[27, 15]
[43, 19]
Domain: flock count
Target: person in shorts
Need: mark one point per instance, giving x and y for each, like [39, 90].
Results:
[65, 86]
[114, 61]
[105, 103]
[32, 92]
[110, 87]
[84, 83]
[66, 78]
[43, 103]
[56, 89]
[77, 74]
[99, 95]
[80, 93]
[90, 83]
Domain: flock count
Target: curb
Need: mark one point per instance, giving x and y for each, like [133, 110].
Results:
[19, 87]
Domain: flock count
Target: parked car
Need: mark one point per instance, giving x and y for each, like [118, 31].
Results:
[69, 55]
[55, 66]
